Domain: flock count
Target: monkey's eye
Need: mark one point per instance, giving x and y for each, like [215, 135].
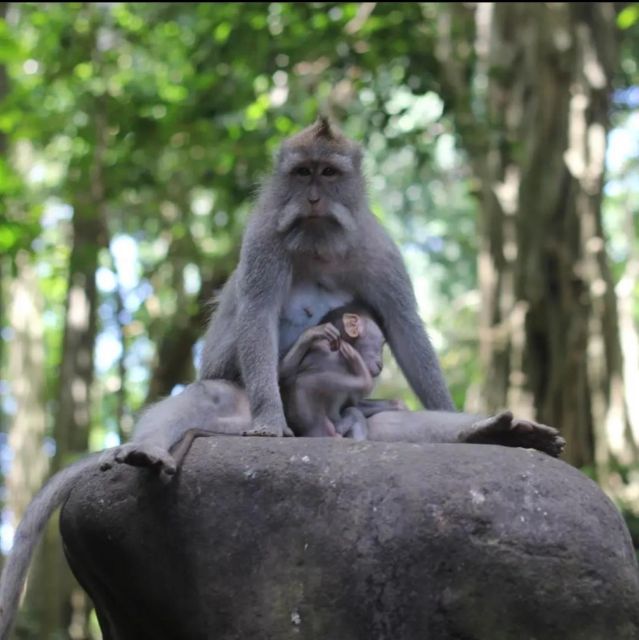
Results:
[302, 171]
[329, 171]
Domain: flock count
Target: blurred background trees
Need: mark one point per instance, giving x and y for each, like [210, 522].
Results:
[502, 144]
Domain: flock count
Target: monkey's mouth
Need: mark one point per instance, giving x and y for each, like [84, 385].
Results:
[314, 221]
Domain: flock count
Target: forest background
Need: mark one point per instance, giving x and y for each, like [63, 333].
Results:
[502, 154]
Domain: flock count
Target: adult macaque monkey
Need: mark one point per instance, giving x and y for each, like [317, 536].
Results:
[312, 245]
[161, 440]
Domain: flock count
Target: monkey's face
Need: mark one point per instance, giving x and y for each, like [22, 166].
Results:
[317, 192]
[320, 191]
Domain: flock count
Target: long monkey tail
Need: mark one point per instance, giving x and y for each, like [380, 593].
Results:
[52, 495]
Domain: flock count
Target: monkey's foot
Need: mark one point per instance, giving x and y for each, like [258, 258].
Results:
[503, 429]
[139, 454]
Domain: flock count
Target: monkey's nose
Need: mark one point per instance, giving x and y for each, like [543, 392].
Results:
[313, 199]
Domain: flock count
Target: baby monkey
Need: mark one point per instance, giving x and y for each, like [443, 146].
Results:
[328, 372]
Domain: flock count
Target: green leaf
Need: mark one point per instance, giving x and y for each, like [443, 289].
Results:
[628, 17]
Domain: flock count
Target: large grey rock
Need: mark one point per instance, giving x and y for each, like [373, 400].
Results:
[336, 540]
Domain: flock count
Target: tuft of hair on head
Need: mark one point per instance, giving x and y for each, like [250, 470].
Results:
[322, 135]
[322, 131]
[323, 128]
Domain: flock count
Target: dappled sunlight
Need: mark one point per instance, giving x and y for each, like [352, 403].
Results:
[500, 155]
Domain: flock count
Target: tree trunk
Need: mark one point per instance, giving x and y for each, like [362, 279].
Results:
[173, 363]
[66, 605]
[4, 91]
[534, 124]
[26, 370]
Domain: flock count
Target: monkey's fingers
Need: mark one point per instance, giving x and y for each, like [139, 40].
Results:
[347, 351]
[332, 333]
[265, 430]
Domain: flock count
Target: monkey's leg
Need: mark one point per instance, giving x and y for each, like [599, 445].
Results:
[184, 445]
[370, 406]
[307, 408]
[352, 424]
[230, 426]
[332, 382]
[145, 454]
[508, 431]
[450, 427]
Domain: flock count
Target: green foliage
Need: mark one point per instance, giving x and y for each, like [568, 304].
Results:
[193, 100]
[177, 108]
[160, 119]
[628, 17]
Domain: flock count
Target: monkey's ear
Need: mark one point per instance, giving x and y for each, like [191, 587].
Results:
[353, 326]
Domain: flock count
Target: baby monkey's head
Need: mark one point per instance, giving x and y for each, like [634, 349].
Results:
[359, 327]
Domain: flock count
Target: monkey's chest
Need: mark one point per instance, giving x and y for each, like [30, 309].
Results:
[305, 305]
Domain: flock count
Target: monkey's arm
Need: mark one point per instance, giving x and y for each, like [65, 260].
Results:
[262, 283]
[449, 427]
[336, 382]
[293, 358]
[28, 534]
[290, 363]
[390, 293]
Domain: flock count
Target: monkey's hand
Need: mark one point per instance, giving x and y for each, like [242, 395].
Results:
[139, 454]
[268, 428]
[327, 331]
[349, 354]
[504, 429]
[356, 364]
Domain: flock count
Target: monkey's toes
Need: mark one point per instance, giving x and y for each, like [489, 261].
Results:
[528, 426]
[151, 457]
[538, 436]
[487, 430]
[107, 464]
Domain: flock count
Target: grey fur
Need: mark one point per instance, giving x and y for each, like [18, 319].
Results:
[439, 427]
[314, 232]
